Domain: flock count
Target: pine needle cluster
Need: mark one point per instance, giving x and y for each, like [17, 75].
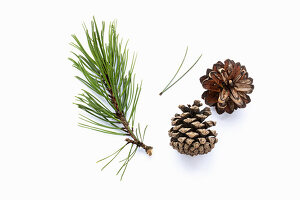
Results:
[171, 83]
[110, 103]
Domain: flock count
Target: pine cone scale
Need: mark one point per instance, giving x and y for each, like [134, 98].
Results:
[223, 96]
[211, 85]
[247, 81]
[210, 97]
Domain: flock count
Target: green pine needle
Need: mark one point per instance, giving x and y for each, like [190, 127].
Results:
[170, 84]
[110, 103]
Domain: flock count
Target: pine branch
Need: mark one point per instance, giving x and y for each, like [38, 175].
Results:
[111, 104]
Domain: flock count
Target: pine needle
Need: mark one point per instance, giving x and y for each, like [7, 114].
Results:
[170, 84]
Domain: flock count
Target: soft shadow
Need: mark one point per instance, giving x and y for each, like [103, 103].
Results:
[196, 163]
[227, 121]
[225, 116]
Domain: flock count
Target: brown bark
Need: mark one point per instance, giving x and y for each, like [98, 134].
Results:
[126, 127]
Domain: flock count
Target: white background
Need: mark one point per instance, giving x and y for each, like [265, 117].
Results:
[45, 155]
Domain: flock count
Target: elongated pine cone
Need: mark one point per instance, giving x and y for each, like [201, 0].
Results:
[227, 86]
[190, 134]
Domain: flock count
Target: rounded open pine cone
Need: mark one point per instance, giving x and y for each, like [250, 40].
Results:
[190, 134]
[227, 86]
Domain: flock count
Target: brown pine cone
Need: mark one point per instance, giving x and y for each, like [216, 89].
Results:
[190, 134]
[227, 86]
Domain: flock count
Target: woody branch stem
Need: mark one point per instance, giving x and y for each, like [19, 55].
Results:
[126, 127]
